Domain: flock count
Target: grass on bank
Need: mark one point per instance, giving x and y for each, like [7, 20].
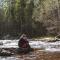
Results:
[47, 38]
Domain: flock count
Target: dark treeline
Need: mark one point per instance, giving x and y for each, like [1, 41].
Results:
[16, 18]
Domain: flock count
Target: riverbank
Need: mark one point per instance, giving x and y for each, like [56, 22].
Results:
[48, 55]
[40, 55]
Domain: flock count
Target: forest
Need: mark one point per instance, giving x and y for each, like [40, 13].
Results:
[32, 17]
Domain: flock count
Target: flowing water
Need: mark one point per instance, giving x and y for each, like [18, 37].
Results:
[45, 46]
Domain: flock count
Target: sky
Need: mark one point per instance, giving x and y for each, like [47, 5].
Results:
[1, 3]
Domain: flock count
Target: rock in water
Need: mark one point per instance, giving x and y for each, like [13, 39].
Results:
[9, 52]
[24, 50]
[5, 53]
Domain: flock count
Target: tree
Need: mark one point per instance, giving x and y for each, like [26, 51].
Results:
[39, 29]
[28, 17]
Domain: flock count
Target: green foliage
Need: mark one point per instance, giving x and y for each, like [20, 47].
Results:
[39, 29]
[18, 19]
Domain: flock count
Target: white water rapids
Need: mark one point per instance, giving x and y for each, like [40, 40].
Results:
[46, 46]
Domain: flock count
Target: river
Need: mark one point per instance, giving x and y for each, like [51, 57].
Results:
[50, 47]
